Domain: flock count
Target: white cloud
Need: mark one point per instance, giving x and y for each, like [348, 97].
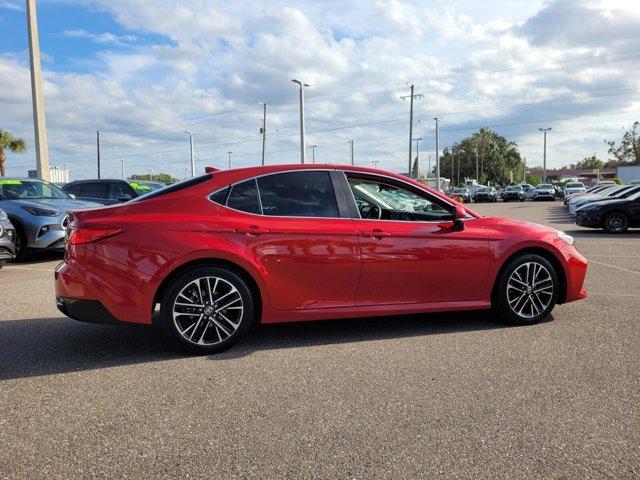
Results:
[476, 66]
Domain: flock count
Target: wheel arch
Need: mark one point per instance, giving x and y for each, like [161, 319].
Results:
[547, 255]
[243, 273]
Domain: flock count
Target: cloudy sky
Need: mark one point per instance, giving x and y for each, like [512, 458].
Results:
[144, 71]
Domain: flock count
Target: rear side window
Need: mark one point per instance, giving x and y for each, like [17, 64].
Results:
[118, 190]
[298, 194]
[244, 197]
[94, 190]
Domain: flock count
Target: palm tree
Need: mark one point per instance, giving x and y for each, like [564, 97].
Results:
[11, 143]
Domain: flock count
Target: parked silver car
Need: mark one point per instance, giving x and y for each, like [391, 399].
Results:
[38, 211]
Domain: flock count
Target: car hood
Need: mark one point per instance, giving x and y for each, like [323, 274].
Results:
[509, 225]
[606, 202]
[56, 203]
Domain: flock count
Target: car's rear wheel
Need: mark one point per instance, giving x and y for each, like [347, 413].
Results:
[616, 222]
[527, 290]
[207, 309]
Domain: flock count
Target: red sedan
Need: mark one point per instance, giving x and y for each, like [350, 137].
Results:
[224, 251]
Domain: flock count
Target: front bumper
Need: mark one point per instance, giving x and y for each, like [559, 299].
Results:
[7, 245]
[544, 196]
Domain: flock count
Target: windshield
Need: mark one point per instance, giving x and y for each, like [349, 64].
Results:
[14, 189]
[513, 189]
[544, 186]
[459, 190]
[575, 185]
[485, 189]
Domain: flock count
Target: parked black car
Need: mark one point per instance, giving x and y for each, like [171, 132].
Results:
[513, 192]
[485, 194]
[109, 192]
[612, 215]
[7, 238]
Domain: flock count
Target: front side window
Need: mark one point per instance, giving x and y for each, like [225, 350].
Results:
[376, 200]
[298, 194]
[244, 197]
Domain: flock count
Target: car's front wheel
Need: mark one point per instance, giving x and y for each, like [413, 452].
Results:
[616, 222]
[207, 309]
[527, 290]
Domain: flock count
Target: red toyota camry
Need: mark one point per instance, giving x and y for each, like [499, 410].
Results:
[224, 251]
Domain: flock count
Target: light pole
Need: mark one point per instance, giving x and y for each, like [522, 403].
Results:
[193, 162]
[417, 140]
[544, 155]
[351, 152]
[313, 153]
[303, 148]
[37, 95]
[437, 155]
[122, 169]
[263, 130]
[229, 154]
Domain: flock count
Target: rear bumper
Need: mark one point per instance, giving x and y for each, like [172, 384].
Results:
[90, 311]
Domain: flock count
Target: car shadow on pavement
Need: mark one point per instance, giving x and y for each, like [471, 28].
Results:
[47, 346]
[326, 332]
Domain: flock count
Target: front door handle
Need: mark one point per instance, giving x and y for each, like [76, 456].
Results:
[251, 230]
[376, 233]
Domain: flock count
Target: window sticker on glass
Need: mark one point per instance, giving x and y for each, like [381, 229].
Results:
[140, 186]
[9, 182]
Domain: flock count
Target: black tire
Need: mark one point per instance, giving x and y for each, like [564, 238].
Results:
[2, 262]
[244, 321]
[503, 292]
[522, 199]
[616, 222]
[22, 252]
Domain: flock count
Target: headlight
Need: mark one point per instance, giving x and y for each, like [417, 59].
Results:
[41, 212]
[3, 215]
[566, 238]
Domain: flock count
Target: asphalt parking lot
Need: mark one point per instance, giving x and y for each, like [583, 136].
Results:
[455, 395]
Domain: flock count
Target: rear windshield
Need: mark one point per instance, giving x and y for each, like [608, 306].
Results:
[174, 188]
[145, 187]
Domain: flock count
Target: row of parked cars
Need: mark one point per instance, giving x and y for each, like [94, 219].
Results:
[522, 192]
[33, 213]
[613, 208]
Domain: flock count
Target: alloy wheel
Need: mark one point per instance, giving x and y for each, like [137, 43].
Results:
[529, 290]
[616, 223]
[208, 310]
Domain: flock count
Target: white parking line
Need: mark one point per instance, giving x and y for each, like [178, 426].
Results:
[616, 267]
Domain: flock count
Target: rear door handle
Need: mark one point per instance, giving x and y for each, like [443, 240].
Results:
[252, 230]
[376, 233]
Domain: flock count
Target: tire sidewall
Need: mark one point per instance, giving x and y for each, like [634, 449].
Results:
[501, 304]
[606, 222]
[166, 309]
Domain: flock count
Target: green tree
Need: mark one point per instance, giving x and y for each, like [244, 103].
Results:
[12, 144]
[627, 150]
[589, 162]
[497, 157]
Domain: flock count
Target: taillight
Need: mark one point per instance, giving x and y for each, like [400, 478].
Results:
[78, 236]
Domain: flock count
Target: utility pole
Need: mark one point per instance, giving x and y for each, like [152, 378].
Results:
[193, 161]
[437, 156]
[303, 147]
[477, 171]
[98, 150]
[544, 156]
[263, 130]
[428, 165]
[524, 172]
[37, 95]
[452, 159]
[351, 151]
[417, 140]
[458, 179]
[122, 169]
[313, 153]
[411, 96]
[229, 154]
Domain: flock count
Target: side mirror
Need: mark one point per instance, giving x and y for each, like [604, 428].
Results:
[72, 195]
[459, 216]
[124, 198]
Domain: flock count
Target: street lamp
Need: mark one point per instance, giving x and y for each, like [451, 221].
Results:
[193, 162]
[229, 154]
[313, 153]
[417, 140]
[544, 156]
[303, 154]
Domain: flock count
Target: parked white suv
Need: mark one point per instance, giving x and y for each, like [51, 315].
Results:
[574, 187]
